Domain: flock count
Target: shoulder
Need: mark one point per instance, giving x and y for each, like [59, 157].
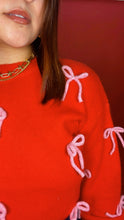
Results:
[81, 73]
[76, 66]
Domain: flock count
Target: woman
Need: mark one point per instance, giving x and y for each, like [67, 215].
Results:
[58, 153]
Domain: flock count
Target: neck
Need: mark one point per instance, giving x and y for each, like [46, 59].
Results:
[10, 55]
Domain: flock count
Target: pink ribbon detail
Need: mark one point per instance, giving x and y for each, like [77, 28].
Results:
[80, 206]
[68, 72]
[3, 212]
[109, 132]
[72, 150]
[119, 210]
[3, 115]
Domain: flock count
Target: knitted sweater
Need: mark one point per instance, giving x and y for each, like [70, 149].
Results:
[61, 158]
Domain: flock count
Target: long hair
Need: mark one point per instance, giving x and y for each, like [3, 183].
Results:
[46, 51]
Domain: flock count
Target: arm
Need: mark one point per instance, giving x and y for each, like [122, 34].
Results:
[100, 194]
[103, 190]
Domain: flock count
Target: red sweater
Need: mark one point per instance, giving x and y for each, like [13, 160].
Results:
[44, 170]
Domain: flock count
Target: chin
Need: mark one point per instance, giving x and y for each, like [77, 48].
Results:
[18, 43]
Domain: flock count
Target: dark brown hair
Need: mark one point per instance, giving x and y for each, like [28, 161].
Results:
[46, 52]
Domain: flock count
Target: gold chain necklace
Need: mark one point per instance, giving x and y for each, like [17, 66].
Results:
[16, 71]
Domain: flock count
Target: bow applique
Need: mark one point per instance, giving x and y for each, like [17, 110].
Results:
[68, 72]
[119, 210]
[109, 132]
[3, 115]
[80, 206]
[73, 150]
[3, 212]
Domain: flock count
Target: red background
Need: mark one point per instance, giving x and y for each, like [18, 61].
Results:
[93, 32]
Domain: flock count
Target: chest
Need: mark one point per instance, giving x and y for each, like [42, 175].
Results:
[34, 141]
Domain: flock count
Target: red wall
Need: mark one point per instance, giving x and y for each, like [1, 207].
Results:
[93, 32]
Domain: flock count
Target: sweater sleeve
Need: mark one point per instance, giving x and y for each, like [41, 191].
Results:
[103, 190]
[101, 156]
[100, 196]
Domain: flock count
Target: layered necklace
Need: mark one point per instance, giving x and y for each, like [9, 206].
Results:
[17, 70]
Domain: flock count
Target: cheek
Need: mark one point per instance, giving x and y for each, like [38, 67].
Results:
[39, 14]
[16, 37]
[37, 25]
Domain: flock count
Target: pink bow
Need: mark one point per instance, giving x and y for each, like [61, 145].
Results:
[68, 72]
[119, 210]
[3, 212]
[109, 132]
[73, 150]
[80, 206]
[3, 115]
